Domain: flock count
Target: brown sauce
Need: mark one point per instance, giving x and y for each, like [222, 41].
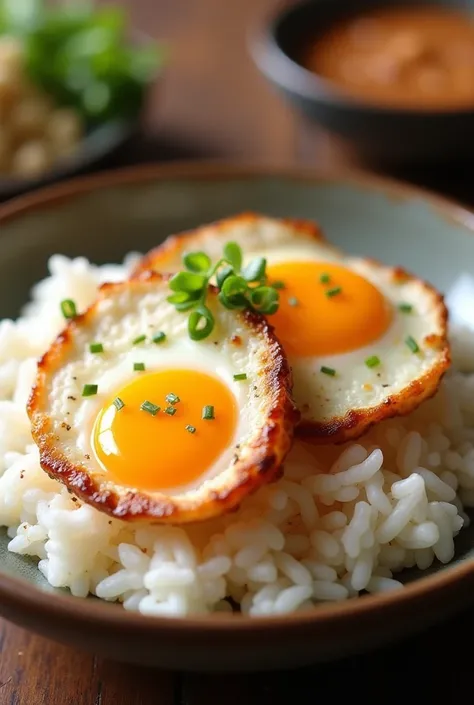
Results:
[410, 57]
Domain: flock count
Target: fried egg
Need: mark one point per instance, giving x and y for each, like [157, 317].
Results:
[142, 422]
[365, 341]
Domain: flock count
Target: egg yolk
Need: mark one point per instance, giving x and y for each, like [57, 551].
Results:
[326, 309]
[157, 452]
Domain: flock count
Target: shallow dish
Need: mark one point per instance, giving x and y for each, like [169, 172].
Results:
[106, 216]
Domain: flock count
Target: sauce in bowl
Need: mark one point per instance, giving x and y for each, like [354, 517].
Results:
[408, 57]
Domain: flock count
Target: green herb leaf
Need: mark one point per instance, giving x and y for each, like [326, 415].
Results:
[159, 337]
[90, 390]
[412, 344]
[96, 348]
[278, 285]
[372, 361]
[233, 254]
[255, 270]
[324, 278]
[333, 292]
[68, 308]
[150, 408]
[200, 323]
[222, 275]
[139, 339]
[197, 262]
[208, 413]
[188, 282]
[405, 308]
[328, 371]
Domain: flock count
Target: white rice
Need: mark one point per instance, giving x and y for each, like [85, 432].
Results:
[341, 521]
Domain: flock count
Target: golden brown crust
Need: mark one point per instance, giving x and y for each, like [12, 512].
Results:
[171, 249]
[260, 466]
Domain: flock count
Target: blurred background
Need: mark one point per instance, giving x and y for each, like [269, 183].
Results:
[92, 85]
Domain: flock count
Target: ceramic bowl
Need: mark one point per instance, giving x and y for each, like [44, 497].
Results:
[105, 216]
[388, 135]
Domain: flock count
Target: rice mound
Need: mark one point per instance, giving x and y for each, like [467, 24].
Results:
[342, 519]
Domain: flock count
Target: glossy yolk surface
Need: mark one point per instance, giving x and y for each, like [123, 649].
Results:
[157, 452]
[310, 321]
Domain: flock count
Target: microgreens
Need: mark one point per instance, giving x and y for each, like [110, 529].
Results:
[240, 287]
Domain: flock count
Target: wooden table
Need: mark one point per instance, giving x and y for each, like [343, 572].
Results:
[214, 104]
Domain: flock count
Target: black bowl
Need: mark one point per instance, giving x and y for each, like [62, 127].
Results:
[388, 134]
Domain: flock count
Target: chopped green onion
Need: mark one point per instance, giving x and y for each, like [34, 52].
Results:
[172, 399]
[328, 371]
[373, 361]
[333, 292]
[159, 337]
[139, 367]
[89, 390]
[293, 301]
[233, 255]
[278, 285]
[118, 403]
[405, 308]
[96, 348]
[170, 410]
[412, 344]
[255, 270]
[150, 408]
[240, 377]
[325, 278]
[208, 413]
[68, 308]
[190, 429]
[138, 340]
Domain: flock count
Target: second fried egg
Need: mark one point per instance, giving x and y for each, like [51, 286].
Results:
[365, 341]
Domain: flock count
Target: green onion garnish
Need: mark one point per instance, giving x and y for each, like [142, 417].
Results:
[159, 337]
[118, 403]
[89, 390]
[96, 348]
[372, 361]
[208, 413]
[405, 308]
[150, 408]
[325, 278]
[170, 410]
[278, 285]
[293, 301]
[412, 344]
[240, 377]
[138, 340]
[172, 398]
[139, 367]
[328, 371]
[333, 292]
[190, 429]
[68, 308]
